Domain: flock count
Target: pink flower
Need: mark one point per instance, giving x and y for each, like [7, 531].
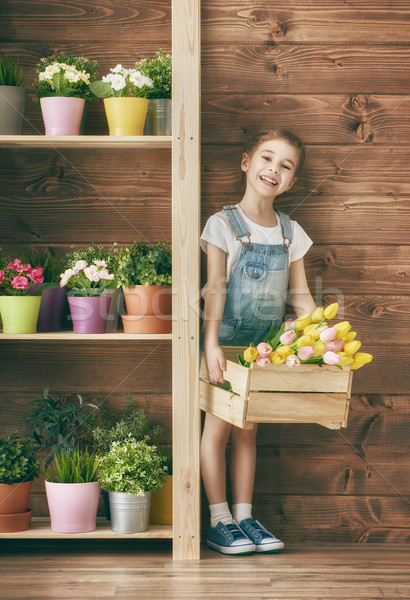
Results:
[289, 324]
[104, 274]
[20, 282]
[1, 276]
[264, 350]
[92, 273]
[292, 361]
[37, 274]
[22, 268]
[100, 263]
[331, 358]
[66, 276]
[79, 266]
[335, 345]
[328, 335]
[263, 361]
[14, 264]
[306, 352]
[287, 338]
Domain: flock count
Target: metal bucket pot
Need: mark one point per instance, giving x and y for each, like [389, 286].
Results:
[159, 117]
[129, 512]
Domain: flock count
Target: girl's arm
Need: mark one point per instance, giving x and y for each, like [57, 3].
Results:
[215, 295]
[300, 295]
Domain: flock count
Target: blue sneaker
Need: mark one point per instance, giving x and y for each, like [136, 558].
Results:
[229, 539]
[263, 539]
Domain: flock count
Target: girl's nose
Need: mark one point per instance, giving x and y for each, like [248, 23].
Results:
[274, 169]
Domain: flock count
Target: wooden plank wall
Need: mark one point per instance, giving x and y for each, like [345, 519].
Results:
[336, 73]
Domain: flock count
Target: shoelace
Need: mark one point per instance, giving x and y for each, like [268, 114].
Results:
[235, 531]
[260, 529]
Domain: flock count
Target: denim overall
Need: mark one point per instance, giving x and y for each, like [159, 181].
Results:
[257, 288]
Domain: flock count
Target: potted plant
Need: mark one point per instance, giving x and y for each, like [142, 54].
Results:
[89, 306]
[73, 491]
[53, 299]
[130, 472]
[113, 290]
[145, 273]
[13, 96]
[18, 467]
[161, 500]
[62, 87]
[125, 99]
[159, 114]
[20, 297]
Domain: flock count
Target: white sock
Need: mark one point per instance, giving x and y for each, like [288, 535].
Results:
[241, 512]
[220, 512]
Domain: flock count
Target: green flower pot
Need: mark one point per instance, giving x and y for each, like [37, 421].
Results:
[19, 313]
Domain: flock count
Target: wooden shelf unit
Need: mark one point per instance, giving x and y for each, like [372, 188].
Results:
[69, 336]
[185, 143]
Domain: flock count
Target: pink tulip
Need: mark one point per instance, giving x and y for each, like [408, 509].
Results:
[37, 274]
[289, 324]
[263, 361]
[264, 350]
[331, 358]
[287, 338]
[292, 361]
[20, 282]
[335, 345]
[306, 352]
[328, 335]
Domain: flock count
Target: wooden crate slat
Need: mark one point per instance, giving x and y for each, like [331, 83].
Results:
[305, 378]
[223, 404]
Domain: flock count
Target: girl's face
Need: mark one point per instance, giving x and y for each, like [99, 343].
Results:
[270, 169]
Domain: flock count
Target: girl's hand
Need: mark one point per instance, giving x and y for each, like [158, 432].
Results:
[215, 364]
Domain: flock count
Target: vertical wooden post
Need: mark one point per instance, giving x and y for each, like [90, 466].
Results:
[185, 234]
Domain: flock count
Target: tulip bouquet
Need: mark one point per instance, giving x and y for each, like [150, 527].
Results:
[309, 339]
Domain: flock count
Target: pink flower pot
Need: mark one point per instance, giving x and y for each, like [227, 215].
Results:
[62, 116]
[89, 315]
[73, 506]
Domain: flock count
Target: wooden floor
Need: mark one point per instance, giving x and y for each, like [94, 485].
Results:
[144, 569]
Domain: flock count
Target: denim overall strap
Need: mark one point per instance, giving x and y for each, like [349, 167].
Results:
[237, 225]
[286, 227]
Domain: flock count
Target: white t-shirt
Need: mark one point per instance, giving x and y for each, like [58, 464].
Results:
[218, 231]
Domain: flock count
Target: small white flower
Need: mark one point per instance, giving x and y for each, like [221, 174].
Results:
[100, 263]
[108, 78]
[118, 82]
[79, 265]
[71, 76]
[85, 77]
[139, 80]
[118, 69]
[104, 274]
[92, 273]
[66, 276]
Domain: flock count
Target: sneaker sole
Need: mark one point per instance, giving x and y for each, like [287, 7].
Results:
[231, 549]
[274, 547]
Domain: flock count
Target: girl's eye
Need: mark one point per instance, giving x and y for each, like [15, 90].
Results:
[267, 158]
[286, 167]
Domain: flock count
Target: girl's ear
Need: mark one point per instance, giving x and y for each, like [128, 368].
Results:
[245, 162]
[294, 180]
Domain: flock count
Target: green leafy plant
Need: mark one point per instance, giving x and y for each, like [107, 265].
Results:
[10, 71]
[122, 83]
[75, 466]
[132, 467]
[165, 452]
[52, 265]
[18, 460]
[58, 424]
[106, 427]
[64, 75]
[145, 264]
[159, 70]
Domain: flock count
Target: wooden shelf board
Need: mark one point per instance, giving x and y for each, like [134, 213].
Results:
[75, 337]
[85, 141]
[40, 529]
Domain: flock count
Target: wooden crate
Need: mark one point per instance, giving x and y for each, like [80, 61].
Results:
[278, 394]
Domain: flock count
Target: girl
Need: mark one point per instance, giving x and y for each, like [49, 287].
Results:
[253, 251]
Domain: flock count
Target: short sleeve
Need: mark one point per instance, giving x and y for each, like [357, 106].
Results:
[301, 242]
[215, 233]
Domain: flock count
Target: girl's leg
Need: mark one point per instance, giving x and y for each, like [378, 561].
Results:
[213, 463]
[242, 464]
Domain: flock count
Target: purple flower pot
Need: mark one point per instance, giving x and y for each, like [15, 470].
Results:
[52, 309]
[89, 315]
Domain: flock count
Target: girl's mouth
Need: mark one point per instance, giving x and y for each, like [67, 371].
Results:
[268, 180]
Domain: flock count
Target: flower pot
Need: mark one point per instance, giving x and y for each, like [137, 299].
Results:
[15, 522]
[159, 117]
[147, 323]
[148, 300]
[89, 315]
[126, 116]
[19, 313]
[52, 307]
[12, 105]
[14, 497]
[129, 512]
[61, 115]
[161, 504]
[114, 309]
[73, 506]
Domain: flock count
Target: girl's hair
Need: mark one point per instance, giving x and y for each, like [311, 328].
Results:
[276, 134]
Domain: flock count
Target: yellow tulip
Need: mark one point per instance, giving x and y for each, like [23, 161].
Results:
[350, 336]
[285, 351]
[305, 340]
[354, 366]
[345, 359]
[351, 347]
[277, 359]
[317, 315]
[312, 331]
[303, 321]
[250, 354]
[320, 347]
[331, 311]
[362, 357]
[343, 329]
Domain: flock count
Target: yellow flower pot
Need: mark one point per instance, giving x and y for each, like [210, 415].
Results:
[161, 505]
[19, 313]
[126, 116]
